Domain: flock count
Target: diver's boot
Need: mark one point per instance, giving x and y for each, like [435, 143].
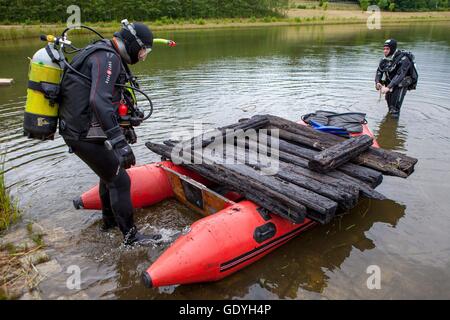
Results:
[134, 237]
[390, 110]
[394, 112]
[109, 223]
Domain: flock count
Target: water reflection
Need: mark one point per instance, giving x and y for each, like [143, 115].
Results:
[391, 134]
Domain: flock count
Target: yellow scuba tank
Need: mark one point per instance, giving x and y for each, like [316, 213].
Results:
[41, 110]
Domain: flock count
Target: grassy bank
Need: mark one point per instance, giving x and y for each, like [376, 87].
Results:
[9, 211]
[293, 17]
[19, 262]
[21, 249]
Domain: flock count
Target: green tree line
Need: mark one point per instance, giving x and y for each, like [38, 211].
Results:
[406, 5]
[20, 11]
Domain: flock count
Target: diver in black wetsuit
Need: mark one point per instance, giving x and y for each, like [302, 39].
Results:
[88, 116]
[395, 76]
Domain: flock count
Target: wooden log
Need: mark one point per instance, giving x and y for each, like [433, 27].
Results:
[367, 175]
[309, 199]
[340, 176]
[388, 162]
[246, 174]
[268, 199]
[222, 133]
[346, 196]
[340, 153]
[375, 163]
[365, 189]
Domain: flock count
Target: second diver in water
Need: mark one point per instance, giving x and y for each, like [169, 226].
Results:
[396, 75]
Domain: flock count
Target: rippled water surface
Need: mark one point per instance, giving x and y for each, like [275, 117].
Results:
[218, 77]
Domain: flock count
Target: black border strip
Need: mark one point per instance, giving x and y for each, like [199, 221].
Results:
[261, 249]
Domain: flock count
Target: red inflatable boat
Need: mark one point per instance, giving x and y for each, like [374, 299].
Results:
[231, 235]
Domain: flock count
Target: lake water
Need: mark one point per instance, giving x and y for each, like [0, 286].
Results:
[218, 77]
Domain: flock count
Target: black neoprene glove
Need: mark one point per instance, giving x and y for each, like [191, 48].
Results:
[117, 143]
[125, 154]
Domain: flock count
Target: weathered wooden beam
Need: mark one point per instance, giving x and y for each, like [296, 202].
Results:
[308, 198]
[345, 195]
[365, 189]
[339, 153]
[221, 134]
[367, 175]
[388, 162]
[348, 176]
[304, 196]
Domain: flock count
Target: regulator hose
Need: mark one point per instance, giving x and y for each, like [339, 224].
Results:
[75, 49]
[144, 94]
[63, 34]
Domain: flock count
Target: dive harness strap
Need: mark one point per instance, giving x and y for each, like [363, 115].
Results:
[50, 90]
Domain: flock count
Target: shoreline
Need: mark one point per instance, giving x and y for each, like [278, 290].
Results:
[295, 18]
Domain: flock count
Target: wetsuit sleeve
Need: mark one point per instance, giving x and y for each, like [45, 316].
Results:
[379, 74]
[405, 65]
[105, 69]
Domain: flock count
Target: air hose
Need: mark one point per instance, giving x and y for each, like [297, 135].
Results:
[62, 41]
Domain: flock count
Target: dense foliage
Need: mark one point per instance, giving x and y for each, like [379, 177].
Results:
[107, 10]
[50, 11]
[406, 5]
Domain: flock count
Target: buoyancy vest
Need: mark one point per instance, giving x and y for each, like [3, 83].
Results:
[75, 113]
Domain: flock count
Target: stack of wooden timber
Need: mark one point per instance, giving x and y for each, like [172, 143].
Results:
[318, 175]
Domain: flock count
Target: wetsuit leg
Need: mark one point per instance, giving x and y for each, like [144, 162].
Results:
[104, 197]
[389, 100]
[115, 181]
[395, 99]
[400, 99]
[109, 221]
[119, 193]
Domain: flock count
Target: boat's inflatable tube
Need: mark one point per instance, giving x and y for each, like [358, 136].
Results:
[221, 244]
[149, 185]
[367, 131]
